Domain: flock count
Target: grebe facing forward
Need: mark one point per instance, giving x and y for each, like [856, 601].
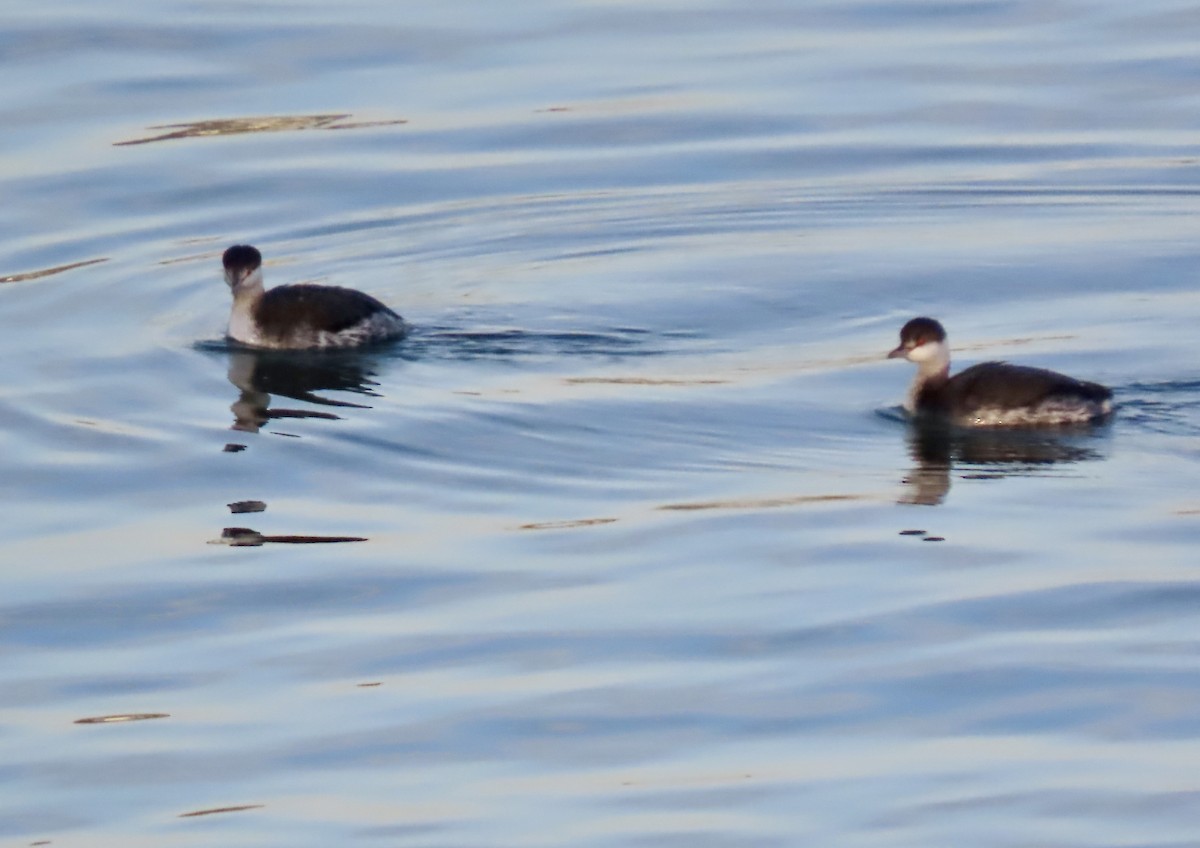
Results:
[301, 316]
[992, 394]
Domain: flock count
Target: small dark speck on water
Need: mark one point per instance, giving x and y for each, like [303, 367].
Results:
[912, 532]
[934, 539]
[234, 448]
[369, 685]
[247, 506]
[216, 810]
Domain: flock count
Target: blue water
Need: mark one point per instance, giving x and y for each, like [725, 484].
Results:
[634, 494]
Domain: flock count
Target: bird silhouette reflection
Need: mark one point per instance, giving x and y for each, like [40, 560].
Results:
[260, 375]
[940, 449]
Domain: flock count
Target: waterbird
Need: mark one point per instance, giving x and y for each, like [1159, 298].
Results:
[992, 394]
[301, 316]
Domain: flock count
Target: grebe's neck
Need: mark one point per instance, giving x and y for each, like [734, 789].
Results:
[933, 371]
[247, 294]
[245, 284]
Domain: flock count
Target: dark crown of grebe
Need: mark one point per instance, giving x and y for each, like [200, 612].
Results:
[992, 394]
[301, 316]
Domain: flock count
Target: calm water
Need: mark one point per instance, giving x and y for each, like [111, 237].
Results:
[633, 495]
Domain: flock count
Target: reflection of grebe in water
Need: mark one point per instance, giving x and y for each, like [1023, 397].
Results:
[300, 317]
[992, 394]
[260, 374]
[938, 448]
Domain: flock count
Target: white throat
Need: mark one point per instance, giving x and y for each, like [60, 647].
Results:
[931, 358]
[933, 363]
[247, 292]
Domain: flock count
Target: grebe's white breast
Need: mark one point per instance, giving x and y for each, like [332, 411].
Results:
[993, 394]
[301, 316]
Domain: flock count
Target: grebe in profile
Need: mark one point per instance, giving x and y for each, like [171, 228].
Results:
[301, 316]
[992, 394]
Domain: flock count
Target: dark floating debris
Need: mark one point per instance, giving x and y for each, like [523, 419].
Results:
[39, 842]
[121, 717]
[234, 448]
[369, 685]
[934, 539]
[564, 525]
[215, 810]
[912, 532]
[312, 540]
[244, 537]
[270, 123]
[46, 272]
[247, 506]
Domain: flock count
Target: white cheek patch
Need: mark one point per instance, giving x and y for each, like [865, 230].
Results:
[926, 352]
[931, 357]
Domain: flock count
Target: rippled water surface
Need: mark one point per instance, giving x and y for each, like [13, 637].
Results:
[627, 545]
